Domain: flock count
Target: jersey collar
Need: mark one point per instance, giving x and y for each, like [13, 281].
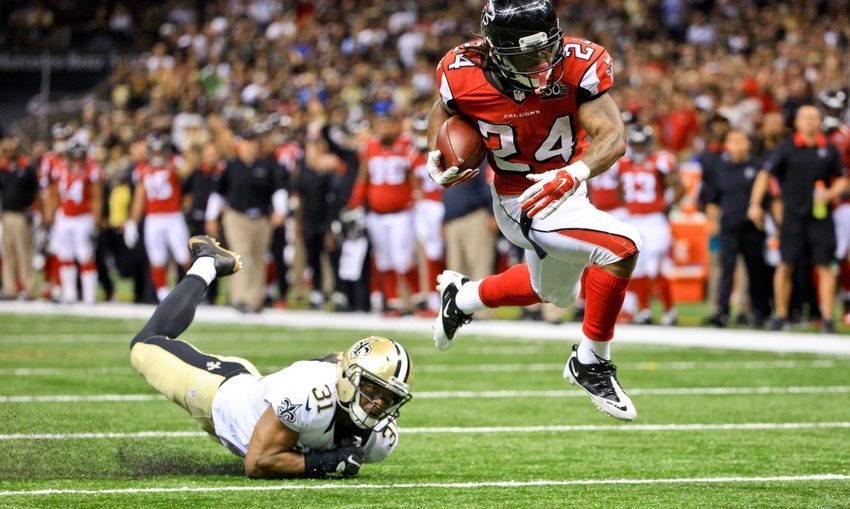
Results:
[799, 141]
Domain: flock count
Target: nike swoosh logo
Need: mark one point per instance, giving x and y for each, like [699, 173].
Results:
[621, 408]
[561, 182]
[446, 309]
[573, 370]
[307, 405]
[351, 460]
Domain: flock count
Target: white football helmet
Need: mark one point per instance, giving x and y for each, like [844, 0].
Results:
[375, 372]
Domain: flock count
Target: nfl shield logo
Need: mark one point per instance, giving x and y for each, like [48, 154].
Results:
[519, 95]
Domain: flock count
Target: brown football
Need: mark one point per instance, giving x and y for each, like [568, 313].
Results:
[460, 143]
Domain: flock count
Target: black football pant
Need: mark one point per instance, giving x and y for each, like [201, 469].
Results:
[749, 242]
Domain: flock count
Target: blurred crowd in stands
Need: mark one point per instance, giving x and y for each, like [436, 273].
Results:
[310, 81]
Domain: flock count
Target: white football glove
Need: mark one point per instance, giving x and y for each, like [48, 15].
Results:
[551, 189]
[447, 177]
[131, 233]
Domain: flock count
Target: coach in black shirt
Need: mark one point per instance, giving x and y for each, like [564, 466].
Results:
[18, 188]
[253, 191]
[798, 164]
[727, 185]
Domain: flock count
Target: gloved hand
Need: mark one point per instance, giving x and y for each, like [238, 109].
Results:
[447, 177]
[551, 189]
[131, 233]
[344, 461]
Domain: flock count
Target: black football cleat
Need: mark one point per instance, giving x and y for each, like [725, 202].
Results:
[226, 262]
[451, 318]
[599, 381]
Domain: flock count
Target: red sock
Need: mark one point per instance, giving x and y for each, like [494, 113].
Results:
[389, 285]
[91, 267]
[605, 294]
[844, 276]
[662, 287]
[53, 270]
[435, 267]
[640, 285]
[158, 277]
[411, 277]
[271, 272]
[510, 288]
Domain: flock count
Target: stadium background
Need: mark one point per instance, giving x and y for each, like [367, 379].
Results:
[733, 418]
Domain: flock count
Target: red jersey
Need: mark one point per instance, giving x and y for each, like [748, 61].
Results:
[49, 162]
[430, 189]
[643, 183]
[74, 180]
[288, 154]
[525, 132]
[388, 189]
[161, 185]
[603, 190]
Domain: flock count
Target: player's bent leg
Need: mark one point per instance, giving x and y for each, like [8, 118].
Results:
[460, 298]
[589, 365]
[175, 313]
[186, 375]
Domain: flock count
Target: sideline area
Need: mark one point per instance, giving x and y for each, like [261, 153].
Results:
[687, 337]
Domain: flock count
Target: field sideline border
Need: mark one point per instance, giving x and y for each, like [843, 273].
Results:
[688, 337]
[456, 485]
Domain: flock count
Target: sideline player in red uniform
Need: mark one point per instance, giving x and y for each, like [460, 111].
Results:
[385, 186]
[158, 198]
[645, 177]
[429, 211]
[536, 96]
[834, 105]
[74, 203]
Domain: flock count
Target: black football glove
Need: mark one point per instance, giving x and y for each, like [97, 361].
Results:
[344, 461]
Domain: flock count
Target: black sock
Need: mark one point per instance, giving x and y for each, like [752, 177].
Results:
[175, 313]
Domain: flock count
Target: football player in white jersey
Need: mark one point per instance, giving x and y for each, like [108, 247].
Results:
[313, 418]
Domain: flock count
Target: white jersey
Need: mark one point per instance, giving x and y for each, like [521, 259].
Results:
[305, 400]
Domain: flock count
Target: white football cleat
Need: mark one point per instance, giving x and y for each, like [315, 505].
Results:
[451, 318]
[600, 382]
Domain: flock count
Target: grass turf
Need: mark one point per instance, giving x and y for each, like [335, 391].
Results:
[84, 356]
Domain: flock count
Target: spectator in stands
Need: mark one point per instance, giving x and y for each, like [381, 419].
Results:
[799, 164]
[18, 191]
[726, 191]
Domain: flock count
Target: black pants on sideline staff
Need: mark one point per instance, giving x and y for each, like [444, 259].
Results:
[749, 242]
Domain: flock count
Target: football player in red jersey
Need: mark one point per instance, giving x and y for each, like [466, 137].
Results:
[158, 198]
[428, 212]
[75, 198]
[52, 160]
[536, 96]
[385, 186]
[834, 105]
[644, 178]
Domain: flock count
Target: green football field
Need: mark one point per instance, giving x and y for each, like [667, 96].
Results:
[492, 424]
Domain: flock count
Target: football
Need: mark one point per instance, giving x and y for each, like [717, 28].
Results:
[460, 143]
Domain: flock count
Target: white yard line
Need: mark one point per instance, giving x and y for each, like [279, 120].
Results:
[471, 430]
[459, 485]
[537, 331]
[479, 368]
[497, 394]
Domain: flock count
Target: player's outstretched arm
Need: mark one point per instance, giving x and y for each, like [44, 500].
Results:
[601, 119]
[271, 456]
